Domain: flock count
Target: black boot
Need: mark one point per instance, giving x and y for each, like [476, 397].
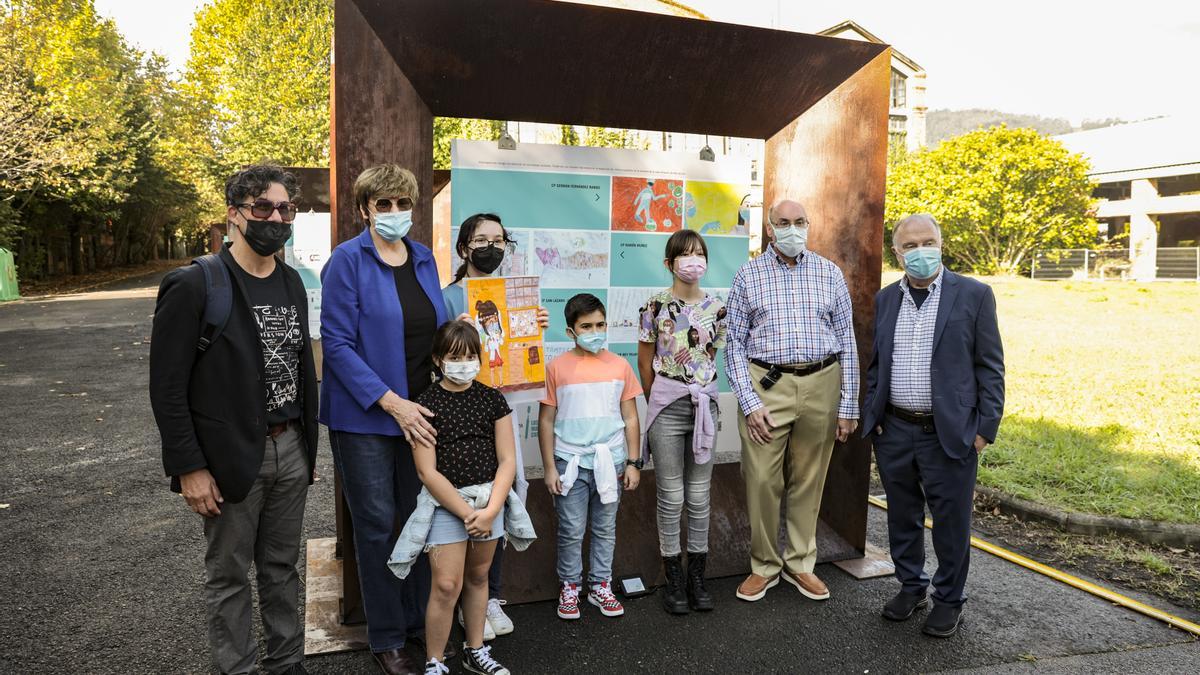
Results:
[674, 597]
[698, 596]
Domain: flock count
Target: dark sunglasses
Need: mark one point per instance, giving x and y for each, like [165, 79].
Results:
[385, 205]
[263, 208]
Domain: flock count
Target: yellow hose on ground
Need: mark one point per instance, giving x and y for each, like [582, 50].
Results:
[1070, 580]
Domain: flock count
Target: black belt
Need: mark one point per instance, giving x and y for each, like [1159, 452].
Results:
[799, 371]
[924, 420]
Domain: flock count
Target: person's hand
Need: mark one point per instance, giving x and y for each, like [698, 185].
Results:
[980, 443]
[463, 317]
[479, 522]
[553, 482]
[845, 428]
[411, 418]
[543, 317]
[759, 425]
[633, 477]
[201, 493]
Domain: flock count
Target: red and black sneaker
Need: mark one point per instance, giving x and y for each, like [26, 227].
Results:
[568, 601]
[602, 596]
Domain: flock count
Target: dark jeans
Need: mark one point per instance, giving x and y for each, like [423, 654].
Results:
[380, 483]
[915, 470]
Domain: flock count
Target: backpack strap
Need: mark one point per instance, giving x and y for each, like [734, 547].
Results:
[218, 299]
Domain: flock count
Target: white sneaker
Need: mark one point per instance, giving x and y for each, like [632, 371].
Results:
[497, 619]
[488, 633]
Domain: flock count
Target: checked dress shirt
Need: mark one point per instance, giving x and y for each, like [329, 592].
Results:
[913, 351]
[786, 315]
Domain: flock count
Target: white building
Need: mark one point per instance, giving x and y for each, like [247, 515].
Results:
[1148, 183]
[907, 116]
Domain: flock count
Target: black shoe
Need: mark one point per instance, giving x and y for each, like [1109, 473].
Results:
[698, 596]
[901, 607]
[674, 598]
[480, 661]
[942, 621]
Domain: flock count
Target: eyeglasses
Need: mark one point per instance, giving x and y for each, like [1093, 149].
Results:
[784, 222]
[402, 204]
[263, 208]
[480, 242]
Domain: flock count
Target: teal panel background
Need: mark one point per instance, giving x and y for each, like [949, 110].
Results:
[643, 256]
[531, 199]
[555, 300]
[636, 260]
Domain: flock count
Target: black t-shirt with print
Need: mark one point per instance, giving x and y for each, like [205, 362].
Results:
[466, 426]
[278, 321]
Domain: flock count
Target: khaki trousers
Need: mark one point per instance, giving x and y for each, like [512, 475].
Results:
[794, 462]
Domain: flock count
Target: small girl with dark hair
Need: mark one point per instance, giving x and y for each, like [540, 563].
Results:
[482, 243]
[682, 327]
[467, 502]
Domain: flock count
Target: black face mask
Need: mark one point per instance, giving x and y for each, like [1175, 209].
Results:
[266, 237]
[487, 259]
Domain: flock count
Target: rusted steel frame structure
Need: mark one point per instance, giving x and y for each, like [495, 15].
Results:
[820, 103]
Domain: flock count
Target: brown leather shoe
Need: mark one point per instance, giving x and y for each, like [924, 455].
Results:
[755, 587]
[809, 585]
[397, 662]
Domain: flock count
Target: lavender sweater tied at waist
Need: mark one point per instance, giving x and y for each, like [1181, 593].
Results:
[666, 391]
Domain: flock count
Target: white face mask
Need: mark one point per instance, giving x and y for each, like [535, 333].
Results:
[461, 372]
[791, 241]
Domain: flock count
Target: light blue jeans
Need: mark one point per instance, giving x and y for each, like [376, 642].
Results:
[576, 510]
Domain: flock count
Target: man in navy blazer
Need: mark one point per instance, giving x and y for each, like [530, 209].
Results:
[935, 395]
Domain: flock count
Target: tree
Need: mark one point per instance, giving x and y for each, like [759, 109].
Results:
[258, 82]
[446, 129]
[604, 137]
[999, 194]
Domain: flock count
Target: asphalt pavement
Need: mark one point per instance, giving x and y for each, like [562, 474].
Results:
[103, 565]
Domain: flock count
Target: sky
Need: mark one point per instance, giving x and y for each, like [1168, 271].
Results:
[1056, 58]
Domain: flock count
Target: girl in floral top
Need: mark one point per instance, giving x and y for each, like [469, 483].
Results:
[682, 328]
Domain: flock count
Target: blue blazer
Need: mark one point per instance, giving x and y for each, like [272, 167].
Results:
[362, 334]
[967, 371]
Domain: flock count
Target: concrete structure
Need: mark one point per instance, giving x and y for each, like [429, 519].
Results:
[1148, 183]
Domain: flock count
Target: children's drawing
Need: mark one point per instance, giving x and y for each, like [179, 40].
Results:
[716, 208]
[647, 204]
[571, 259]
[504, 310]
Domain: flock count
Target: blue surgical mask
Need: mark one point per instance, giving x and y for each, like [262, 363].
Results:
[922, 263]
[592, 342]
[394, 225]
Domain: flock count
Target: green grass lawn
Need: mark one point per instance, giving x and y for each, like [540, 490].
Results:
[1102, 412]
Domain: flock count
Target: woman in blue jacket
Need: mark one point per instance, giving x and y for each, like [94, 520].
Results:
[380, 307]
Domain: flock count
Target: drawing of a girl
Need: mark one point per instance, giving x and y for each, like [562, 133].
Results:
[491, 332]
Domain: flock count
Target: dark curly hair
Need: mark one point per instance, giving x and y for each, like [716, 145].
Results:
[256, 179]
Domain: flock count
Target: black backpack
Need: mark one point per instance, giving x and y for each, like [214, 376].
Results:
[218, 299]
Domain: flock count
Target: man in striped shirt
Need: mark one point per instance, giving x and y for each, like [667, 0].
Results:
[935, 395]
[793, 363]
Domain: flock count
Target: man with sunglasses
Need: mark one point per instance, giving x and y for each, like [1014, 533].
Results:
[238, 420]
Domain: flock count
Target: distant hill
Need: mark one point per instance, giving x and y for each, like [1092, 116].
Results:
[942, 124]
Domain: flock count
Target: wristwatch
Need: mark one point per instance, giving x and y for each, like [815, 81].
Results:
[637, 463]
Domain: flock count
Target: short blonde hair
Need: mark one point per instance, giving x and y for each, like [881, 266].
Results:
[386, 180]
